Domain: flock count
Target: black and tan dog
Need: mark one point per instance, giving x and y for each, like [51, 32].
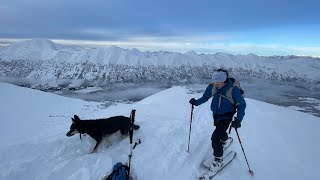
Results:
[99, 128]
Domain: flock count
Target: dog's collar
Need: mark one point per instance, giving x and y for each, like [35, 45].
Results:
[83, 131]
[83, 134]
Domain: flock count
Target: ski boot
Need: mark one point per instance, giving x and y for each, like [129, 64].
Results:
[217, 164]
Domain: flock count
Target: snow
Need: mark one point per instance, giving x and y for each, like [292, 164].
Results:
[280, 143]
[38, 49]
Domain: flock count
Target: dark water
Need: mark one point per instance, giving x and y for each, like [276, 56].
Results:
[118, 92]
[300, 96]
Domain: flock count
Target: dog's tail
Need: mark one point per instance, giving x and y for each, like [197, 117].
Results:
[135, 127]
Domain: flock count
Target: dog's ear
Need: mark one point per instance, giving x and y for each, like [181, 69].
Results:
[76, 118]
[73, 121]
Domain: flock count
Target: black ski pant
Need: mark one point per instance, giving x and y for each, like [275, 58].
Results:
[218, 135]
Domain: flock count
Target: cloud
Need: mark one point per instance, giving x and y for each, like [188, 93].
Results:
[234, 26]
[77, 19]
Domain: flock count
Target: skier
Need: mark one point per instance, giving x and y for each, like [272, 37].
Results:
[227, 100]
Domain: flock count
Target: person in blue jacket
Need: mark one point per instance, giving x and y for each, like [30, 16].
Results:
[227, 100]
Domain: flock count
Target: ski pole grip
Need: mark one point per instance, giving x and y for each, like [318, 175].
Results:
[230, 129]
[133, 114]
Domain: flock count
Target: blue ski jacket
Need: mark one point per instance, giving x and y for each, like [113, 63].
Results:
[226, 107]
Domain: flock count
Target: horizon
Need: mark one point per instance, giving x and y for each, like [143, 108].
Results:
[91, 44]
[264, 28]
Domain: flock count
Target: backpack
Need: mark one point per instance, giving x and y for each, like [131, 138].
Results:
[228, 96]
[120, 172]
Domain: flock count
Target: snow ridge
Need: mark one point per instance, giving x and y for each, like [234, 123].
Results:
[39, 149]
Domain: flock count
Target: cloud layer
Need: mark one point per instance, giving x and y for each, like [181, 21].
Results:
[183, 23]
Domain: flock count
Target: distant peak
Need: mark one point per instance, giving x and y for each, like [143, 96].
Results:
[114, 47]
[191, 53]
[222, 54]
[38, 41]
[135, 50]
[251, 54]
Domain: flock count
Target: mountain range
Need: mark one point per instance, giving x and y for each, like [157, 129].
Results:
[44, 59]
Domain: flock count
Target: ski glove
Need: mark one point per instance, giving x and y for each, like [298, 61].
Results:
[236, 123]
[193, 101]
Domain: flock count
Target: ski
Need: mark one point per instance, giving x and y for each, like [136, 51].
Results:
[226, 160]
[209, 156]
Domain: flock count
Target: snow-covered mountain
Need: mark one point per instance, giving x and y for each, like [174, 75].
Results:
[279, 143]
[44, 59]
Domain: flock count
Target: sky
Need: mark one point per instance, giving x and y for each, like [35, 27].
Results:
[264, 27]
[39, 149]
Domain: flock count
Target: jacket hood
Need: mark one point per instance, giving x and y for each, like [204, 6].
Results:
[229, 84]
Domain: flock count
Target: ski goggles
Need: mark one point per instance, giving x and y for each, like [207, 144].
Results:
[217, 83]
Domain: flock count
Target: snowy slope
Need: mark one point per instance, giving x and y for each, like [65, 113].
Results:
[44, 59]
[38, 50]
[280, 143]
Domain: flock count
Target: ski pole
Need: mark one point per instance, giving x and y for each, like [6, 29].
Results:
[132, 117]
[250, 171]
[192, 107]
